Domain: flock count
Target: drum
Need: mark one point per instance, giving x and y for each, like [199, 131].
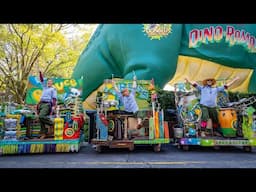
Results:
[228, 121]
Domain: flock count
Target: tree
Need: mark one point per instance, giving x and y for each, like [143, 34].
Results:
[26, 48]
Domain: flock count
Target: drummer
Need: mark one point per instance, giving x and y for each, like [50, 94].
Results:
[208, 101]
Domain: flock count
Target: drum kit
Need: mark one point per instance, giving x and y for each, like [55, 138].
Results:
[240, 108]
[242, 104]
[229, 114]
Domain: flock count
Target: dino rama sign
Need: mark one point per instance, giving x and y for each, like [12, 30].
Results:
[215, 34]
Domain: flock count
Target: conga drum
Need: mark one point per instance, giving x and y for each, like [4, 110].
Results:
[228, 121]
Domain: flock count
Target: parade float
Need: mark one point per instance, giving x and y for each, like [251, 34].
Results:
[236, 121]
[169, 53]
[114, 128]
[20, 127]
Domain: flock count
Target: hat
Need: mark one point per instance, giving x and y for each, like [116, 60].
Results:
[212, 79]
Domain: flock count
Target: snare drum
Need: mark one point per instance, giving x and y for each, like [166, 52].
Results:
[228, 121]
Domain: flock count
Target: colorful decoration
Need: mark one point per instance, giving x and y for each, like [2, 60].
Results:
[101, 127]
[58, 128]
[19, 147]
[228, 121]
[247, 125]
[110, 98]
[169, 53]
[157, 31]
[66, 89]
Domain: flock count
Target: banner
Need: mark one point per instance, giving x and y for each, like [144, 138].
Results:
[66, 89]
[232, 45]
[111, 99]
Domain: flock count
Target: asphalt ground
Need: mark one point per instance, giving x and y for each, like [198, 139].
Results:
[142, 157]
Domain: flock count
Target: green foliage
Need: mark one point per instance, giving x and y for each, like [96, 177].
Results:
[166, 99]
[27, 48]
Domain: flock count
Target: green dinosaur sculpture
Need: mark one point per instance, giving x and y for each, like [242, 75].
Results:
[168, 52]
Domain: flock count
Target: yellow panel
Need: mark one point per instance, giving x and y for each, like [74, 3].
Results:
[198, 70]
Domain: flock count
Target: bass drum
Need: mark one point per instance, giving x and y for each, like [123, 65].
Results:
[228, 121]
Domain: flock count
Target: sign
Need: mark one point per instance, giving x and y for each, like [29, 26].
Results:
[66, 89]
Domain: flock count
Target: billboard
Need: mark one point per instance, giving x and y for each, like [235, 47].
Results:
[67, 88]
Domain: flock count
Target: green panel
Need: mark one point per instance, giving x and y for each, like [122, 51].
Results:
[207, 142]
[154, 141]
[228, 132]
[252, 141]
[151, 128]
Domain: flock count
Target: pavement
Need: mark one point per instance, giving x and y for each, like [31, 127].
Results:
[142, 157]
